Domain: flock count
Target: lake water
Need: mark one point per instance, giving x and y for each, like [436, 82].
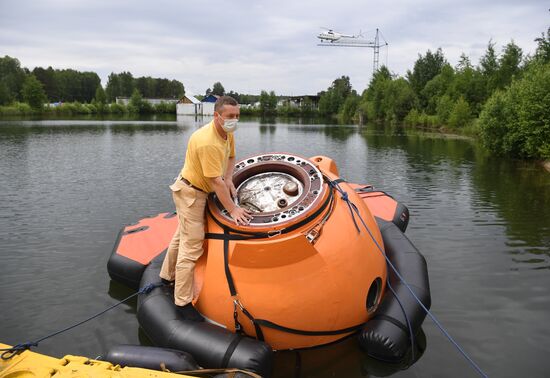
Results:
[482, 222]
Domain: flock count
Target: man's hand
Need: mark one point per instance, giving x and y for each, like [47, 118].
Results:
[240, 216]
[231, 187]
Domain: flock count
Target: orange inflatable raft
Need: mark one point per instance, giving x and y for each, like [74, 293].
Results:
[310, 268]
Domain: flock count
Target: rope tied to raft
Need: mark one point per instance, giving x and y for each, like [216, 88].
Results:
[355, 211]
[16, 349]
[9, 353]
[351, 206]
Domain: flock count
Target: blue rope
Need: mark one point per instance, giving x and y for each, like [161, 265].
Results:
[15, 350]
[345, 198]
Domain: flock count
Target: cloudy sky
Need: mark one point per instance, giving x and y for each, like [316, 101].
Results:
[253, 45]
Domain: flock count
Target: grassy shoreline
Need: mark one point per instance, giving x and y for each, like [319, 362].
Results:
[77, 109]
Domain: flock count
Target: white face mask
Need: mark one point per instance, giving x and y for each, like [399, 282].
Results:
[229, 125]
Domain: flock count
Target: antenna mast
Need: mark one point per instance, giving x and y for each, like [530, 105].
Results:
[358, 41]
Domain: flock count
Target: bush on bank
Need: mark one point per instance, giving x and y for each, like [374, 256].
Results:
[516, 121]
[77, 108]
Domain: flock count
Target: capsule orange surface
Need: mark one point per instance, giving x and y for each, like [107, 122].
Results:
[318, 285]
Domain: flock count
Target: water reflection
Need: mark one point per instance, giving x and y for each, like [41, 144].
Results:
[192, 120]
[133, 128]
[516, 192]
[118, 292]
[340, 133]
[31, 128]
[522, 200]
[271, 129]
[342, 359]
[271, 121]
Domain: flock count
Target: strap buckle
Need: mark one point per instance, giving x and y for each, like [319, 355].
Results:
[238, 303]
[312, 235]
[238, 326]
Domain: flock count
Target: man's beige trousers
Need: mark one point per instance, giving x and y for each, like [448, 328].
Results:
[186, 245]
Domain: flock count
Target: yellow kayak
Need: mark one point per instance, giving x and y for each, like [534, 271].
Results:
[36, 365]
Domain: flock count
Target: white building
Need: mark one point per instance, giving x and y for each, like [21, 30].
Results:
[208, 104]
[189, 105]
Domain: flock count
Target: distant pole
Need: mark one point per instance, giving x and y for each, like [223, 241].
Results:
[376, 48]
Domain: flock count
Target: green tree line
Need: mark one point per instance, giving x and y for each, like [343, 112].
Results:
[28, 91]
[123, 85]
[18, 83]
[67, 85]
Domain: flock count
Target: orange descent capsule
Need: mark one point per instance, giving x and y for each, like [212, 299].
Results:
[313, 271]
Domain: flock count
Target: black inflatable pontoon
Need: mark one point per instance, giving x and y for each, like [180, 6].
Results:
[211, 345]
[387, 336]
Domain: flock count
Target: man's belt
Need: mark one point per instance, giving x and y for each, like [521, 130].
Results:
[191, 185]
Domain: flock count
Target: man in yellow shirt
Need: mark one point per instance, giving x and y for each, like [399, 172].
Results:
[208, 167]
